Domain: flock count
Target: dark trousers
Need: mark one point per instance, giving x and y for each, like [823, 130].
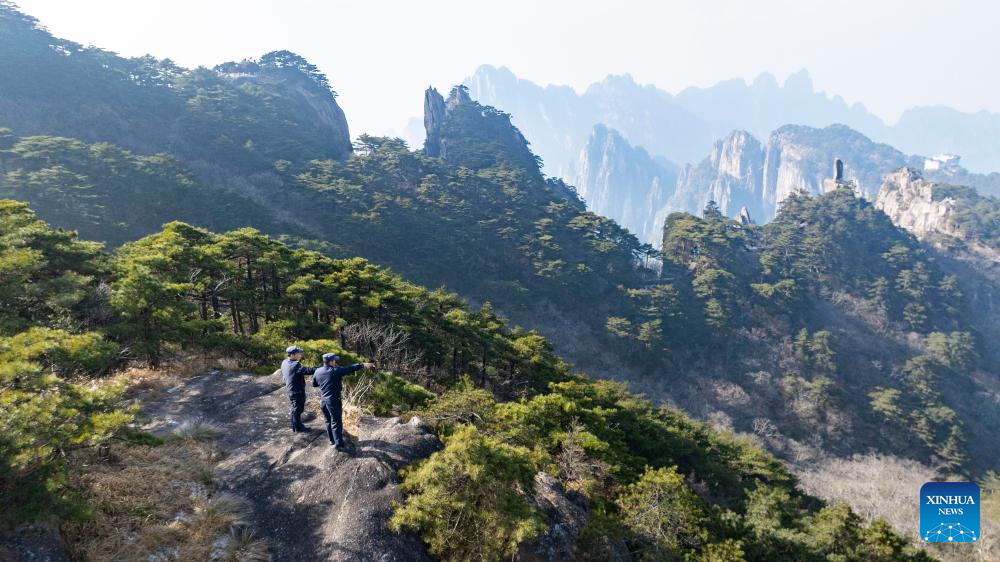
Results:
[333, 413]
[298, 405]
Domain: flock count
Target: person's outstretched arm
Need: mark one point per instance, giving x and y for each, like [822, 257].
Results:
[355, 367]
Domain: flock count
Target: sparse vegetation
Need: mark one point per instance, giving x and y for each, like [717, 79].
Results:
[159, 503]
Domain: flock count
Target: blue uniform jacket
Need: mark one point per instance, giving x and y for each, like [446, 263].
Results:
[294, 376]
[328, 380]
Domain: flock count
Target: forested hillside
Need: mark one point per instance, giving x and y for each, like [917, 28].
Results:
[237, 157]
[653, 481]
[51, 85]
[110, 194]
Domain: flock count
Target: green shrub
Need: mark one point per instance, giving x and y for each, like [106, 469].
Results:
[663, 513]
[43, 416]
[314, 350]
[728, 550]
[64, 353]
[464, 404]
[392, 395]
[469, 501]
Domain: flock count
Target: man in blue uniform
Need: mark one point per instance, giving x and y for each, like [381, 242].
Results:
[294, 375]
[328, 379]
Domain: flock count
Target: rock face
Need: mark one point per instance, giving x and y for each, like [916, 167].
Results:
[798, 158]
[732, 176]
[465, 133]
[740, 172]
[623, 182]
[309, 502]
[565, 518]
[313, 99]
[436, 112]
[33, 543]
[908, 199]
[433, 119]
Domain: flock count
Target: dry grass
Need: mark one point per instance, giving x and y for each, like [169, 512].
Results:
[195, 430]
[159, 504]
[141, 379]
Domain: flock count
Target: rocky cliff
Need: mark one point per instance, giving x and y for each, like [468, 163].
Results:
[466, 133]
[623, 182]
[433, 119]
[799, 158]
[742, 172]
[307, 92]
[317, 105]
[732, 176]
[910, 202]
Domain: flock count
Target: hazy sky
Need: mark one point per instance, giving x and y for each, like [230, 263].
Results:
[380, 55]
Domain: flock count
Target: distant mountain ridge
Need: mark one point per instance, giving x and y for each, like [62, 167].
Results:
[740, 172]
[763, 141]
[682, 127]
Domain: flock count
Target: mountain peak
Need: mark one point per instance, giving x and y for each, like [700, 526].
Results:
[459, 95]
[765, 81]
[434, 110]
[622, 181]
[799, 81]
[464, 132]
[495, 72]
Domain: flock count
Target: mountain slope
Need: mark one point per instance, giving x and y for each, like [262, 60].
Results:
[483, 221]
[110, 194]
[523, 445]
[623, 182]
[240, 114]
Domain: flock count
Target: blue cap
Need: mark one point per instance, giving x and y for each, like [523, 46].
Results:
[327, 357]
[293, 349]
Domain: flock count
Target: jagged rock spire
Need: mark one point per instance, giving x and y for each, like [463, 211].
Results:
[434, 110]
